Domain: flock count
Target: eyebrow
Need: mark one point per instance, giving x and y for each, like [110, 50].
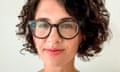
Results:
[43, 19]
[67, 19]
[61, 20]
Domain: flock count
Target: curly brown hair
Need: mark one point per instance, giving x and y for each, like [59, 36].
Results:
[95, 24]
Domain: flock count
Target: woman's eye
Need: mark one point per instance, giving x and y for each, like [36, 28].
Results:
[43, 25]
[67, 26]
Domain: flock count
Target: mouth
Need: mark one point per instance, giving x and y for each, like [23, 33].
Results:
[54, 51]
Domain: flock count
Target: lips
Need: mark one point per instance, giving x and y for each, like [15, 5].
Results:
[52, 51]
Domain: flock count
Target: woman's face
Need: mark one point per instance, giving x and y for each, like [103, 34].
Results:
[55, 50]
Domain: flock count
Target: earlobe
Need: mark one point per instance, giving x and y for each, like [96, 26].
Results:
[83, 37]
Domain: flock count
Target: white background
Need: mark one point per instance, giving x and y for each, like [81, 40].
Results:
[12, 61]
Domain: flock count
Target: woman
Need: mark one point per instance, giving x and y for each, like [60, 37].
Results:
[57, 30]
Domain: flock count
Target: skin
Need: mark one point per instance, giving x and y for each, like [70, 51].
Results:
[62, 61]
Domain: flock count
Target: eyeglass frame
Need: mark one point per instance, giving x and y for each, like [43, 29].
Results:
[30, 22]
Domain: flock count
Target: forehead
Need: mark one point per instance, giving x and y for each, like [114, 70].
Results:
[51, 10]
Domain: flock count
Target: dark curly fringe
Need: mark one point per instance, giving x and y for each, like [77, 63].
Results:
[93, 14]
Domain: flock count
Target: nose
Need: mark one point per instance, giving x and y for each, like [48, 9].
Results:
[54, 37]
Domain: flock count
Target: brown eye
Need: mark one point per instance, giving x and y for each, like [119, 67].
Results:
[66, 26]
[42, 25]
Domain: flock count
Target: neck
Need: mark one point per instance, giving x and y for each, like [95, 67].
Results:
[69, 67]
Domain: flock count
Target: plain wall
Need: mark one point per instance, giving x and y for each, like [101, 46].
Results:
[12, 61]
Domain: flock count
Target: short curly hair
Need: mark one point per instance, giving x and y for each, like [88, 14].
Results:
[95, 18]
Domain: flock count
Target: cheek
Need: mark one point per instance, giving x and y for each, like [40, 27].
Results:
[38, 44]
[72, 45]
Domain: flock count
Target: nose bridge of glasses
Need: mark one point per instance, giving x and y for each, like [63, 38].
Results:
[56, 27]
